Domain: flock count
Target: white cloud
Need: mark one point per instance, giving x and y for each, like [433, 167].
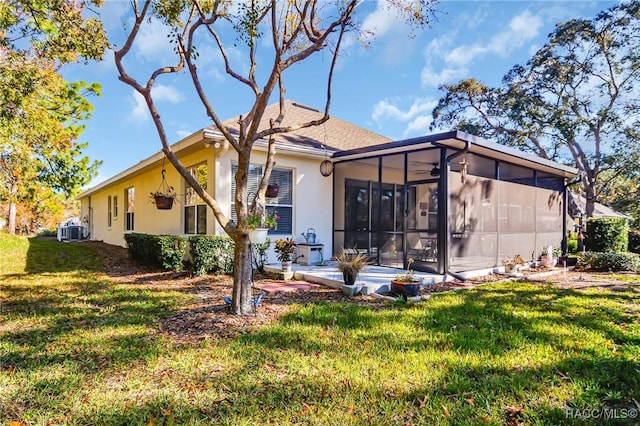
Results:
[382, 20]
[160, 93]
[152, 43]
[418, 115]
[521, 29]
[431, 78]
[112, 14]
[183, 133]
[388, 29]
[140, 111]
[419, 125]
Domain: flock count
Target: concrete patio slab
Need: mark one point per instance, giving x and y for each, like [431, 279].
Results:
[375, 278]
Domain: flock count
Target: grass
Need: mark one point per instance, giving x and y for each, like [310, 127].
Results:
[79, 349]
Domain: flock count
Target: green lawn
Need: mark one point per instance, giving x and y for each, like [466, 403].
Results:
[78, 349]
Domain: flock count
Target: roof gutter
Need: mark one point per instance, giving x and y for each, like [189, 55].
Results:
[565, 196]
[302, 151]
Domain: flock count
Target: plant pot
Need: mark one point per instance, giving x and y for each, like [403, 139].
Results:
[259, 235]
[405, 288]
[547, 261]
[272, 191]
[286, 266]
[351, 290]
[349, 279]
[569, 261]
[163, 202]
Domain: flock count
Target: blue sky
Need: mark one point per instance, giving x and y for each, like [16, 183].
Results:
[389, 87]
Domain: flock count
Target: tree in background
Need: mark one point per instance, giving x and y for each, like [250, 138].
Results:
[291, 31]
[40, 113]
[622, 193]
[575, 101]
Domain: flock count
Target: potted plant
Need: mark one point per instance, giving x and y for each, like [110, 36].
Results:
[164, 196]
[284, 250]
[406, 284]
[513, 264]
[164, 199]
[350, 265]
[259, 225]
[272, 191]
[549, 256]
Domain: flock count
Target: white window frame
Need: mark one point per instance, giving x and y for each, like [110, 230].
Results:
[109, 211]
[193, 200]
[269, 206]
[129, 222]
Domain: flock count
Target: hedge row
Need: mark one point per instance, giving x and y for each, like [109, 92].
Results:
[209, 253]
[609, 261]
[165, 251]
[212, 253]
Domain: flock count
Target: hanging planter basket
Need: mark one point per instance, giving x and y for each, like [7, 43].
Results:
[272, 191]
[259, 235]
[164, 197]
[163, 202]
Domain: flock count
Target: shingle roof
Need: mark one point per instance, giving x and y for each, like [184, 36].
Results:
[577, 204]
[340, 135]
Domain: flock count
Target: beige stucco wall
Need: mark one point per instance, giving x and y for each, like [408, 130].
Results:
[312, 194]
[312, 198]
[147, 219]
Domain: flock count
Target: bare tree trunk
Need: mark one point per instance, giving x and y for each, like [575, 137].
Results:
[13, 209]
[590, 197]
[242, 271]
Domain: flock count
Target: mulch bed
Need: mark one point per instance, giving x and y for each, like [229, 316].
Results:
[209, 315]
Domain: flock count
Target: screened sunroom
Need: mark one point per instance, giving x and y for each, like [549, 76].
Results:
[452, 202]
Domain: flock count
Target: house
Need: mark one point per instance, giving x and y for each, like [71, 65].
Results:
[122, 203]
[452, 201]
[577, 208]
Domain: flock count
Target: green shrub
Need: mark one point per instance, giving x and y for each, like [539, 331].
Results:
[572, 243]
[165, 251]
[596, 261]
[212, 253]
[634, 241]
[47, 233]
[607, 234]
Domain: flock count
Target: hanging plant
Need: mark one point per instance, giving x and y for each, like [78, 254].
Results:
[272, 191]
[164, 196]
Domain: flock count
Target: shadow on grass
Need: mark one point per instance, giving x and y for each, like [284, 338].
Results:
[94, 331]
[50, 255]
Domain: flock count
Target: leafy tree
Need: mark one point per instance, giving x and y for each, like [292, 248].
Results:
[622, 192]
[39, 111]
[292, 31]
[576, 100]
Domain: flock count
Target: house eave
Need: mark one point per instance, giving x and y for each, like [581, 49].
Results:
[298, 151]
[209, 137]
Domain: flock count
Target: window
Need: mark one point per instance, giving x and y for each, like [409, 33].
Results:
[115, 206]
[195, 210]
[129, 195]
[282, 204]
[109, 212]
